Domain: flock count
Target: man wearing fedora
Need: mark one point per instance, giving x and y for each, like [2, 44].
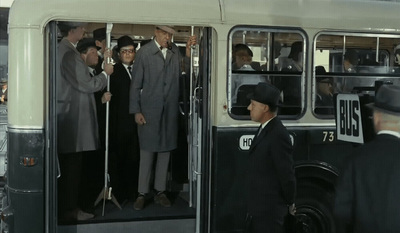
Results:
[154, 97]
[124, 144]
[77, 131]
[368, 190]
[270, 178]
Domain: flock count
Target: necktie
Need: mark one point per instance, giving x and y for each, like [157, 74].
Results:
[129, 69]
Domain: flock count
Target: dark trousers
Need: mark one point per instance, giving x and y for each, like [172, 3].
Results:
[124, 165]
[69, 182]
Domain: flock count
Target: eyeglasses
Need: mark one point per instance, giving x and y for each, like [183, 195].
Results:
[127, 51]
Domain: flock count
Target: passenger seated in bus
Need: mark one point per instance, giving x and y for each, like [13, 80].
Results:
[124, 164]
[295, 56]
[350, 65]
[243, 57]
[324, 92]
[291, 85]
[350, 61]
[243, 49]
[396, 69]
[155, 105]
[77, 122]
[276, 53]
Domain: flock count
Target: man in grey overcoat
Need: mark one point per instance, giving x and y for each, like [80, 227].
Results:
[76, 112]
[154, 101]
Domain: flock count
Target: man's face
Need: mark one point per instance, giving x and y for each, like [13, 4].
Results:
[257, 110]
[163, 37]
[78, 32]
[91, 58]
[102, 45]
[325, 87]
[127, 54]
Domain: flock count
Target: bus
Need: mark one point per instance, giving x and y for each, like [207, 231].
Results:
[206, 174]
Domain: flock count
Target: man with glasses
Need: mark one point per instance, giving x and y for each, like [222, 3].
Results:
[124, 145]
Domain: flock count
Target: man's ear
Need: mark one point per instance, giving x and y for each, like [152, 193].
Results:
[266, 108]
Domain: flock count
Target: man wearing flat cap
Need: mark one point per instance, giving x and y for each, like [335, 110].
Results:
[77, 131]
[270, 179]
[154, 97]
[124, 142]
[368, 190]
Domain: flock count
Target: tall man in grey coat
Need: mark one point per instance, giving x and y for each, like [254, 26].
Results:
[154, 101]
[76, 111]
[368, 190]
[270, 179]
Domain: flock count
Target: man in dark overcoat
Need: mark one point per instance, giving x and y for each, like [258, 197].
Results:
[368, 190]
[77, 130]
[124, 144]
[270, 178]
[154, 101]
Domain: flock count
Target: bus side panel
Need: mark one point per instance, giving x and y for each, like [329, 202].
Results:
[228, 197]
[25, 207]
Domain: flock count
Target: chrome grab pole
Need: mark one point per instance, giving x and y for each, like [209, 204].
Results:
[190, 131]
[106, 176]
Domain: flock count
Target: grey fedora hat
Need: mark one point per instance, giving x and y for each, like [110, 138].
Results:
[387, 100]
[265, 93]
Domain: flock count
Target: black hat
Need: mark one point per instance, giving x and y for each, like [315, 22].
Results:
[295, 49]
[86, 43]
[125, 41]
[265, 93]
[100, 34]
[387, 100]
[320, 75]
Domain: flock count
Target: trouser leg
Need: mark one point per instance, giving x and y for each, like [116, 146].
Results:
[160, 181]
[69, 182]
[146, 164]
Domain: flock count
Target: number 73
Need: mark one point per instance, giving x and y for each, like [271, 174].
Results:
[328, 136]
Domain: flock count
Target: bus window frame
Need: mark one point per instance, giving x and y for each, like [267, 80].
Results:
[361, 34]
[269, 29]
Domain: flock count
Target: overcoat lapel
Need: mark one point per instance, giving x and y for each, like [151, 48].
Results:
[258, 139]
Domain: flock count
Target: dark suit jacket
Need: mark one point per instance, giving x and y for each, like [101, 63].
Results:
[368, 191]
[120, 118]
[271, 182]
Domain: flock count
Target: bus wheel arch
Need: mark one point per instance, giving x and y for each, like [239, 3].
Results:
[315, 197]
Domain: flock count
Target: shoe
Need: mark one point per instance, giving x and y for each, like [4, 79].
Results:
[83, 216]
[162, 199]
[139, 203]
[76, 215]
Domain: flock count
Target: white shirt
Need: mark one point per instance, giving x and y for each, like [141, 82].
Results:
[127, 70]
[263, 126]
[163, 50]
[394, 133]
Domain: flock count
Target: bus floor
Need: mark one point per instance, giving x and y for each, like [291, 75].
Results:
[152, 219]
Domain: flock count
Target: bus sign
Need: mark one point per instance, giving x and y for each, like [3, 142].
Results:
[245, 142]
[348, 118]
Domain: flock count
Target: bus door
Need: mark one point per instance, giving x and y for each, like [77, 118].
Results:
[198, 128]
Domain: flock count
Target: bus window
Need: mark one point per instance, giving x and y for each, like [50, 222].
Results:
[351, 63]
[266, 55]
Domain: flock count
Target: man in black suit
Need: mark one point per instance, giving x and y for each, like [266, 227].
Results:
[368, 190]
[123, 129]
[271, 183]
